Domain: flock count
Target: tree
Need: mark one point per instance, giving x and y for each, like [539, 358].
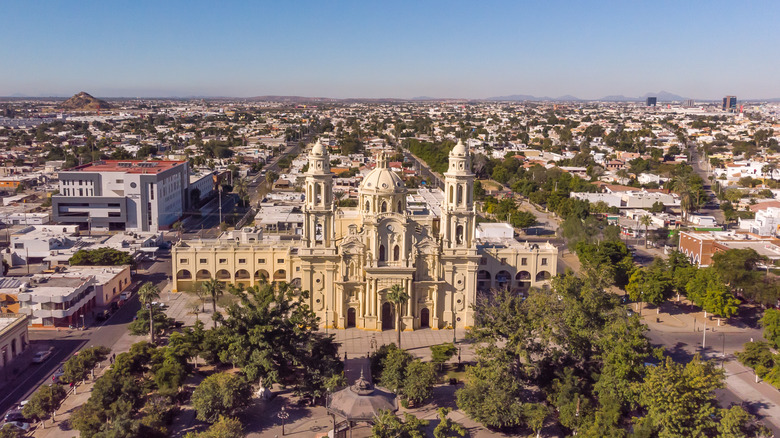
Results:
[44, 402]
[394, 370]
[707, 290]
[146, 295]
[646, 221]
[535, 416]
[491, 394]
[272, 335]
[79, 365]
[101, 257]
[10, 431]
[215, 288]
[418, 383]
[680, 399]
[271, 177]
[225, 427]
[771, 324]
[442, 353]
[448, 428]
[652, 284]
[241, 188]
[735, 422]
[387, 425]
[398, 296]
[221, 395]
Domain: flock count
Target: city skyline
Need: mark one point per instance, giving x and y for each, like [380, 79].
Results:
[399, 50]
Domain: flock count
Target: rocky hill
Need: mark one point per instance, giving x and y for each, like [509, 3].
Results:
[84, 102]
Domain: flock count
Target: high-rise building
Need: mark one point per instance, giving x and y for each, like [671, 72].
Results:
[690, 103]
[730, 104]
[652, 101]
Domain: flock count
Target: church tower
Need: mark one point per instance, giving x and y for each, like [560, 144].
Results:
[319, 228]
[460, 258]
[458, 217]
[319, 255]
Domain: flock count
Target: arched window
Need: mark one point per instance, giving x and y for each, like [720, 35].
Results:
[368, 207]
[451, 194]
[400, 207]
[384, 206]
[459, 234]
[460, 194]
[317, 193]
[396, 253]
[381, 253]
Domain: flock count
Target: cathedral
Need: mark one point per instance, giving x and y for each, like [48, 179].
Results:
[349, 258]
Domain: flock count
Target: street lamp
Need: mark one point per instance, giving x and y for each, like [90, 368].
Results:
[283, 415]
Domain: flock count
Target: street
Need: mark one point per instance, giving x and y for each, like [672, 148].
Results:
[66, 342]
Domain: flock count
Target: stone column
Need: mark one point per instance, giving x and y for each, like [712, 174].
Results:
[410, 302]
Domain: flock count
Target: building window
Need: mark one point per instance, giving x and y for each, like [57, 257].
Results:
[222, 261]
[242, 261]
[19, 245]
[279, 260]
[503, 260]
[544, 261]
[483, 261]
[203, 261]
[260, 260]
[524, 261]
[183, 261]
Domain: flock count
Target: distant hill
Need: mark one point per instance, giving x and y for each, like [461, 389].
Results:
[84, 102]
[664, 96]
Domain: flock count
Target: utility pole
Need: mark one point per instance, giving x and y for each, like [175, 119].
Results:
[220, 204]
[704, 337]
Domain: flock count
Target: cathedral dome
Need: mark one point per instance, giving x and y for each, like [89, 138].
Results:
[382, 180]
[459, 150]
[318, 149]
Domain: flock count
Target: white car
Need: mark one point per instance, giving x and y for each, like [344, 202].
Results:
[19, 424]
[41, 356]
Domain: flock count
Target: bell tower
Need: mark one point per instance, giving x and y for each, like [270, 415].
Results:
[458, 224]
[318, 210]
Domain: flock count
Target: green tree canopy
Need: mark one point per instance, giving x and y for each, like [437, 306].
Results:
[101, 257]
[680, 399]
[221, 395]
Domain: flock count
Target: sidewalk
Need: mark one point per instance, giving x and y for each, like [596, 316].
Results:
[762, 398]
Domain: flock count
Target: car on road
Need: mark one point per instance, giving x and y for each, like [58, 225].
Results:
[41, 356]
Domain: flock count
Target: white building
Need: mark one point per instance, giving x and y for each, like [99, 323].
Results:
[122, 195]
[766, 222]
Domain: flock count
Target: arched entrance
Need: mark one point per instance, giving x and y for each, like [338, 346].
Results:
[203, 275]
[425, 318]
[388, 319]
[351, 316]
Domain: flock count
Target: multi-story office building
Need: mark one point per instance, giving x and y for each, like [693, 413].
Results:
[652, 101]
[349, 258]
[122, 195]
[730, 103]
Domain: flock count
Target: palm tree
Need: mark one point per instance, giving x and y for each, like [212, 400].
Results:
[215, 288]
[241, 188]
[398, 296]
[646, 220]
[147, 294]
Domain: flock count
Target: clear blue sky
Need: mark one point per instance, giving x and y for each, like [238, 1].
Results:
[472, 49]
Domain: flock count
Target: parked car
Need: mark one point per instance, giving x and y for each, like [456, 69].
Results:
[19, 425]
[15, 415]
[41, 356]
[57, 374]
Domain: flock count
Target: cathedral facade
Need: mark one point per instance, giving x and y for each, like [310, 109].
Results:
[349, 258]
